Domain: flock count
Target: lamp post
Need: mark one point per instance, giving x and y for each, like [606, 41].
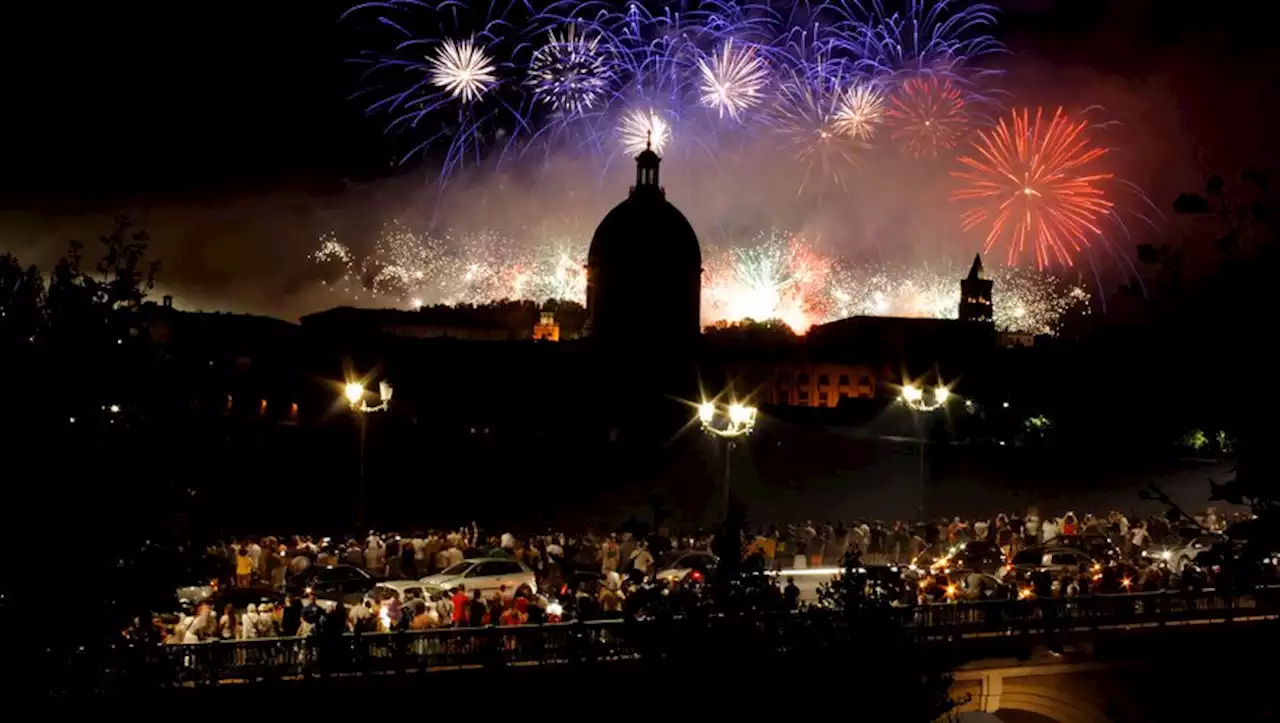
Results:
[355, 394]
[737, 420]
[913, 398]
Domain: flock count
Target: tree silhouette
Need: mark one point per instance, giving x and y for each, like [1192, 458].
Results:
[1215, 297]
[93, 484]
[22, 303]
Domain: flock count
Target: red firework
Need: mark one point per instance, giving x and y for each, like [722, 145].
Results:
[927, 115]
[1032, 183]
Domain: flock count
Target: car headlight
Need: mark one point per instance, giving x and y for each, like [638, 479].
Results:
[1165, 555]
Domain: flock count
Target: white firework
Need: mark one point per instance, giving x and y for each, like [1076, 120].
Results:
[733, 81]
[641, 129]
[463, 69]
[860, 110]
[568, 73]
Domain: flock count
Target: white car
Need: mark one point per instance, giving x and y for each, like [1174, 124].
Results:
[680, 567]
[485, 574]
[195, 594]
[1180, 553]
[402, 590]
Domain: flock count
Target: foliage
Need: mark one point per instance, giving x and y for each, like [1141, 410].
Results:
[854, 615]
[517, 317]
[22, 302]
[1219, 443]
[1215, 296]
[752, 330]
[93, 484]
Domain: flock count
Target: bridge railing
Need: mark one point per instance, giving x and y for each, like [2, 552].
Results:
[564, 643]
[1093, 611]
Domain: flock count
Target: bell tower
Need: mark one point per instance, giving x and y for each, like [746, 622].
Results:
[975, 295]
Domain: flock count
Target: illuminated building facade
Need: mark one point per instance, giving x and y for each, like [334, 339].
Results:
[547, 329]
[819, 385]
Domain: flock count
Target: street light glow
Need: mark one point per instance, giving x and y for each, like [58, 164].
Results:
[706, 412]
[912, 393]
[354, 392]
[740, 418]
[940, 395]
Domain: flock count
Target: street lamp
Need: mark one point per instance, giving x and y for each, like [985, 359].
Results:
[913, 398]
[355, 395]
[737, 420]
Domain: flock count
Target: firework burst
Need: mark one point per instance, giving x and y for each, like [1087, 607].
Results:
[641, 129]
[777, 277]
[462, 69]
[860, 111]
[928, 115]
[570, 72]
[938, 36]
[1032, 183]
[808, 117]
[733, 81]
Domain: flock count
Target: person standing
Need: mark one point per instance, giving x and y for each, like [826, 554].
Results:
[459, 601]
[244, 568]
[609, 556]
[477, 610]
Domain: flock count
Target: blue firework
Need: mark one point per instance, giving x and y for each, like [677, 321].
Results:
[493, 81]
[441, 75]
[937, 36]
[571, 73]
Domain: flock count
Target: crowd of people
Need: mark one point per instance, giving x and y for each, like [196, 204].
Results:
[593, 575]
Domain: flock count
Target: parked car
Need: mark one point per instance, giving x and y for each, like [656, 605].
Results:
[1096, 545]
[977, 555]
[1179, 553]
[1058, 560]
[485, 574]
[681, 565]
[197, 592]
[403, 590]
[341, 583]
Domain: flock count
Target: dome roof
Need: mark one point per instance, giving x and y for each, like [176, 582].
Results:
[645, 230]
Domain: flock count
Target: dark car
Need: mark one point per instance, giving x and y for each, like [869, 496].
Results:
[346, 583]
[977, 555]
[1098, 546]
[1057, 560]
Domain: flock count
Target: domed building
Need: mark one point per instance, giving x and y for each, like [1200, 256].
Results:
[644, 269]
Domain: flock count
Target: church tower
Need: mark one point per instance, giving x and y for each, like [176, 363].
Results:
[975, 295]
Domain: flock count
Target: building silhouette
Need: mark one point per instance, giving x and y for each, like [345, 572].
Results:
[975, 295]
[644, 270]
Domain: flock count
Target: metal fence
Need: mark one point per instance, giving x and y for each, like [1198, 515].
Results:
[588, 642]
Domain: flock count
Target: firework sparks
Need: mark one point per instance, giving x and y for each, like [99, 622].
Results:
[775, 275]
[808, 117]
[928, 115]
[860, 111]
[1023, 301]
[643, 129]
[462, 69]
[569, 73]
[1033, 185]
[733, 81]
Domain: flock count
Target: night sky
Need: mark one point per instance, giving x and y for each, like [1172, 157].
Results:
[225, 128]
